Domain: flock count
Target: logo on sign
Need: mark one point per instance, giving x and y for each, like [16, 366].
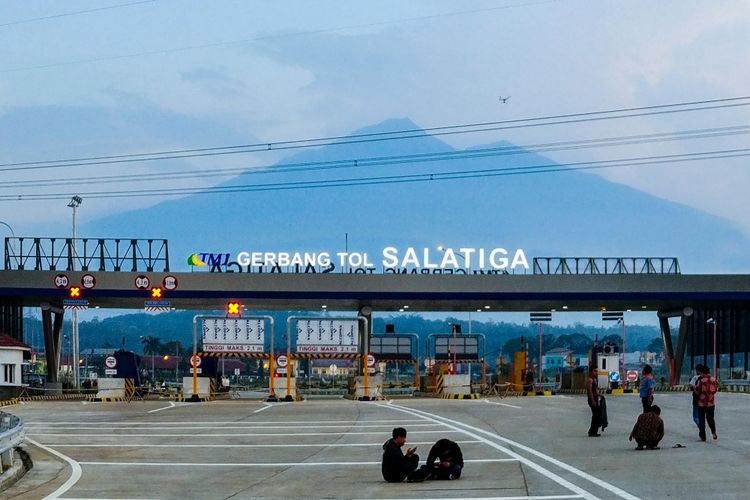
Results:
[282, 361]
[169, 282]
[88, 281]
[142, 282]
[62, 281]
[110, 362]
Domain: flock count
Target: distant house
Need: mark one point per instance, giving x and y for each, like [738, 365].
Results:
[12, 355]
[556, 359]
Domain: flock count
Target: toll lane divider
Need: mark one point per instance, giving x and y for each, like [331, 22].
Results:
[9, 402]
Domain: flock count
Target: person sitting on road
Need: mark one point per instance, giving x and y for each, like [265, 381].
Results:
[396, 466]
[445, 461]
[648, 429]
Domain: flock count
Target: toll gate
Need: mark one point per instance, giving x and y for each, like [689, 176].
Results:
[55, 275]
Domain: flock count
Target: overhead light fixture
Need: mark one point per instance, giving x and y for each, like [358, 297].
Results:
[406, 307]
[486, 307]
[565, 308]
[479, 310]
[644, 307]
[401, 310]
[324, 306]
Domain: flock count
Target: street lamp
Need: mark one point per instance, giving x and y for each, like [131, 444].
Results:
[712, 321]
[75, 202]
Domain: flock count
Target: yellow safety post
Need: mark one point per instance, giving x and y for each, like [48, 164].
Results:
[416, 374]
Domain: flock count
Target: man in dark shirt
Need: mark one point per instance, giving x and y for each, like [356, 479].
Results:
[648, 429]
[396, 466]
[445, 460]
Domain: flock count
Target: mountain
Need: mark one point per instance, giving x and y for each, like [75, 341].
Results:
[565, 213]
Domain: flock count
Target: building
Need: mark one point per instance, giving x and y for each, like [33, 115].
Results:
[13, 355]
[557, 359]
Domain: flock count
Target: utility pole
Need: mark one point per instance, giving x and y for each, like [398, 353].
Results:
[75, 202]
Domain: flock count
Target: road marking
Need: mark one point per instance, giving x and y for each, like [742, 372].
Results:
[305, 445]
[233, 422]
[261, 434]
[543, 497]
[171, 405]
[353, 426]
[457, 425]
[501, 404]
[264, 408]
[75, 470]
[271, 464]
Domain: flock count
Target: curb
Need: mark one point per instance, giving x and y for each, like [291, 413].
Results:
[9, 402]
[460, 396]
[539, 393]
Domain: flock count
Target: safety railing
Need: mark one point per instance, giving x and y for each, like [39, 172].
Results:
[606, 265]
[11, 435]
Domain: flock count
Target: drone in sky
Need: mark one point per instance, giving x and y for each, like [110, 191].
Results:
[503, 99]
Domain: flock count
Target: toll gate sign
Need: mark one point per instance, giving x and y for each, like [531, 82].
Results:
[233, 335]
[327, 336]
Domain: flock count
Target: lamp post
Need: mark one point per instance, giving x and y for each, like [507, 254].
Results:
[75, 202]
[712, 321]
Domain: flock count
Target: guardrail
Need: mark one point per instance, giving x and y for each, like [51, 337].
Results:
[11, 435]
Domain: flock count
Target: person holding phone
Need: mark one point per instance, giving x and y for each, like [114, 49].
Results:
[396, 465]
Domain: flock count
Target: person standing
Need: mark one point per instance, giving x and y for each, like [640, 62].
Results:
[647, 388]
[706, 388]
[593, 392]
[648, 429]
[691, 385]
[396, 465]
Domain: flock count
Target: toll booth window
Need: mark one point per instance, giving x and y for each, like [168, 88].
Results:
[8, 374]
[604, 363]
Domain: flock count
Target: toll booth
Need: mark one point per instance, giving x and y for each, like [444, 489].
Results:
[126, 379]
[396, 350]
[232, 335]
[330, 338]
[607, 358]
[454, 354]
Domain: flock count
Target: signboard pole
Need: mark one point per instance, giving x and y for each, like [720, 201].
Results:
[288, 396]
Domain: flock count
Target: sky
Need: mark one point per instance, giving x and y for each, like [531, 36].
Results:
[83, 78]
[91, 78]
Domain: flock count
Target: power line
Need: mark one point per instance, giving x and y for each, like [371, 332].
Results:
[402, 178]
[638, 139]
[559, 119]
[74, 13]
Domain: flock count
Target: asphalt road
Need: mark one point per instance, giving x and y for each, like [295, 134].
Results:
[515, 448]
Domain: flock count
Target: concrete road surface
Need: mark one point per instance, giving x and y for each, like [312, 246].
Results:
[515, 448]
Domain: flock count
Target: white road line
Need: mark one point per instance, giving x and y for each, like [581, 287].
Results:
[171, 405]
[501, 404]
[457, 425]
[533, 465]
[248, 427]
[267, 406]
[542, 497]
[301, 445]
[75, 472]
[230, 422]
[259, 434]
[270, 464]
